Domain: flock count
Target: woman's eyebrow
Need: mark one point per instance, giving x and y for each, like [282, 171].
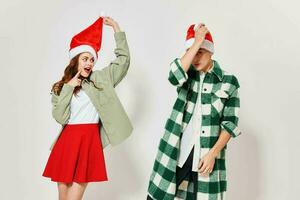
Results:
[85, 57]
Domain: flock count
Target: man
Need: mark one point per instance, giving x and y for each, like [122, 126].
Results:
[190, 163]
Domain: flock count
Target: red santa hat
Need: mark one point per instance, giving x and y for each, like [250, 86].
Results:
[207, 44]
[88, 40]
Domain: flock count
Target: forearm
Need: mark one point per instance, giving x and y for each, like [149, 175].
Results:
[116, 27]
[118, 68]
[187, 58]
[220, 144]
[61, 104]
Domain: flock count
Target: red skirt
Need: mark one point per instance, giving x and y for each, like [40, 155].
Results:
[77, 156]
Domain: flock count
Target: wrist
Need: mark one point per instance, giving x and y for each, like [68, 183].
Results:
[214, 152]
[116, 28]
[197, 43]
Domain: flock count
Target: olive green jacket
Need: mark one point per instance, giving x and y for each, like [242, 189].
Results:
[115, 124]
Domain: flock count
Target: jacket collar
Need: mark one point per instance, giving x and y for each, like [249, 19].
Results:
[216, 69]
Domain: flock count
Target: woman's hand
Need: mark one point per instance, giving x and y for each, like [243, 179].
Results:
[206, 164]
[200, 33]
[75, 81]
[110, 22]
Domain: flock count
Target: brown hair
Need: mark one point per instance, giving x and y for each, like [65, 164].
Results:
[69, 73]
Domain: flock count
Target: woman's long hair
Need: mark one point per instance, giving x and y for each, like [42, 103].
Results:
[69, 73]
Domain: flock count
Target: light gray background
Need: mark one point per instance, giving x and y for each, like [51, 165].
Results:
[257, 40]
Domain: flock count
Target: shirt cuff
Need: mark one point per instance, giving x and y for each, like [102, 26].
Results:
[177, 73]
[231, 128]
[67, 89]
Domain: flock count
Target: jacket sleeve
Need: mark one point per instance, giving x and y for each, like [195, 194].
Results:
[61, 104]
[230, 117]
[118, 68]
[177, 76]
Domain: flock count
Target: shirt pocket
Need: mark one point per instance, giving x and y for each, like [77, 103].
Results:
[102, 92]
[218, 99]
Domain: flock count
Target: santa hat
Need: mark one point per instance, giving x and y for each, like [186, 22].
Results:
[88, 40]
[207, 44]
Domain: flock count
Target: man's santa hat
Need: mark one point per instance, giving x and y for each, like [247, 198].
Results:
[88, 40]
[207, 44]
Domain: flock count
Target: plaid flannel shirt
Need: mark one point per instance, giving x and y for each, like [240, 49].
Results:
[220, 105]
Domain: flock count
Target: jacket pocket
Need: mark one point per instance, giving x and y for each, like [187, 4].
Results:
[218, 99]
[103, 92]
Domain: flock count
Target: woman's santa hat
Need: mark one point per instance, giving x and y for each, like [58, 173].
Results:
[88, 40]
[207, 44]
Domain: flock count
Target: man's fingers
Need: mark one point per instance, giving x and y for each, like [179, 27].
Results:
[202, 168]
[206, 170]
[204, 28]
[199, 26]
[200, 164]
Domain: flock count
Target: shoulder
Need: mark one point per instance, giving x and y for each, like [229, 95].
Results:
[230, 78]
[99, 76]
[230, 82]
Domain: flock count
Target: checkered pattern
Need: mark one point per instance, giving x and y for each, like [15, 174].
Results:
[220, 105]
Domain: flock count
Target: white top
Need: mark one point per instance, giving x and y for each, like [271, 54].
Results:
[191, 136]
[82, 109]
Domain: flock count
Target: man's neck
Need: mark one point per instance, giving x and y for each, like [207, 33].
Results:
[208, 66]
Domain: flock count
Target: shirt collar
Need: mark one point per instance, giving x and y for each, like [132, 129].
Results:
[209, 71]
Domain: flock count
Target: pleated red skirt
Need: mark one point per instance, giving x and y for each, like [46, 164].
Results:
[77, 156]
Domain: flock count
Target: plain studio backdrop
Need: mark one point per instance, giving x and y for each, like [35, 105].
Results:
[256, 40]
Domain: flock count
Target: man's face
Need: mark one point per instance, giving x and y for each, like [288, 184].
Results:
[202, 60]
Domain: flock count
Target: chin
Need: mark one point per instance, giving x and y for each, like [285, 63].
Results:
[198, 67]
[85, 75]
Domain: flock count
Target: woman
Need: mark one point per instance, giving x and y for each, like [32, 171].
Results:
[84, 102]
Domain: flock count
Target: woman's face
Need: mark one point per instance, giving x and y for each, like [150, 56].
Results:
[85, 64]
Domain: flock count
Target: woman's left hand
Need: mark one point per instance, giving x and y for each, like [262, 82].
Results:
[110, 22]
[206, 164]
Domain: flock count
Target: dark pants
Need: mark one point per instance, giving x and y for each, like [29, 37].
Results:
[186, 172]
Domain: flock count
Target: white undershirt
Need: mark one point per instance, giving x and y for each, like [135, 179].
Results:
[191, 136]
[82, 109]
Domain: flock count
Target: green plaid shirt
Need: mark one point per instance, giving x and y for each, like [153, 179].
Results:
[220, 106]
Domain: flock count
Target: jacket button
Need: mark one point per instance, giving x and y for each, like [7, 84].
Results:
[205, 89]
[203, 131]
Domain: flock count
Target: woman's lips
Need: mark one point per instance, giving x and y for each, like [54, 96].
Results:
[87, 70]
